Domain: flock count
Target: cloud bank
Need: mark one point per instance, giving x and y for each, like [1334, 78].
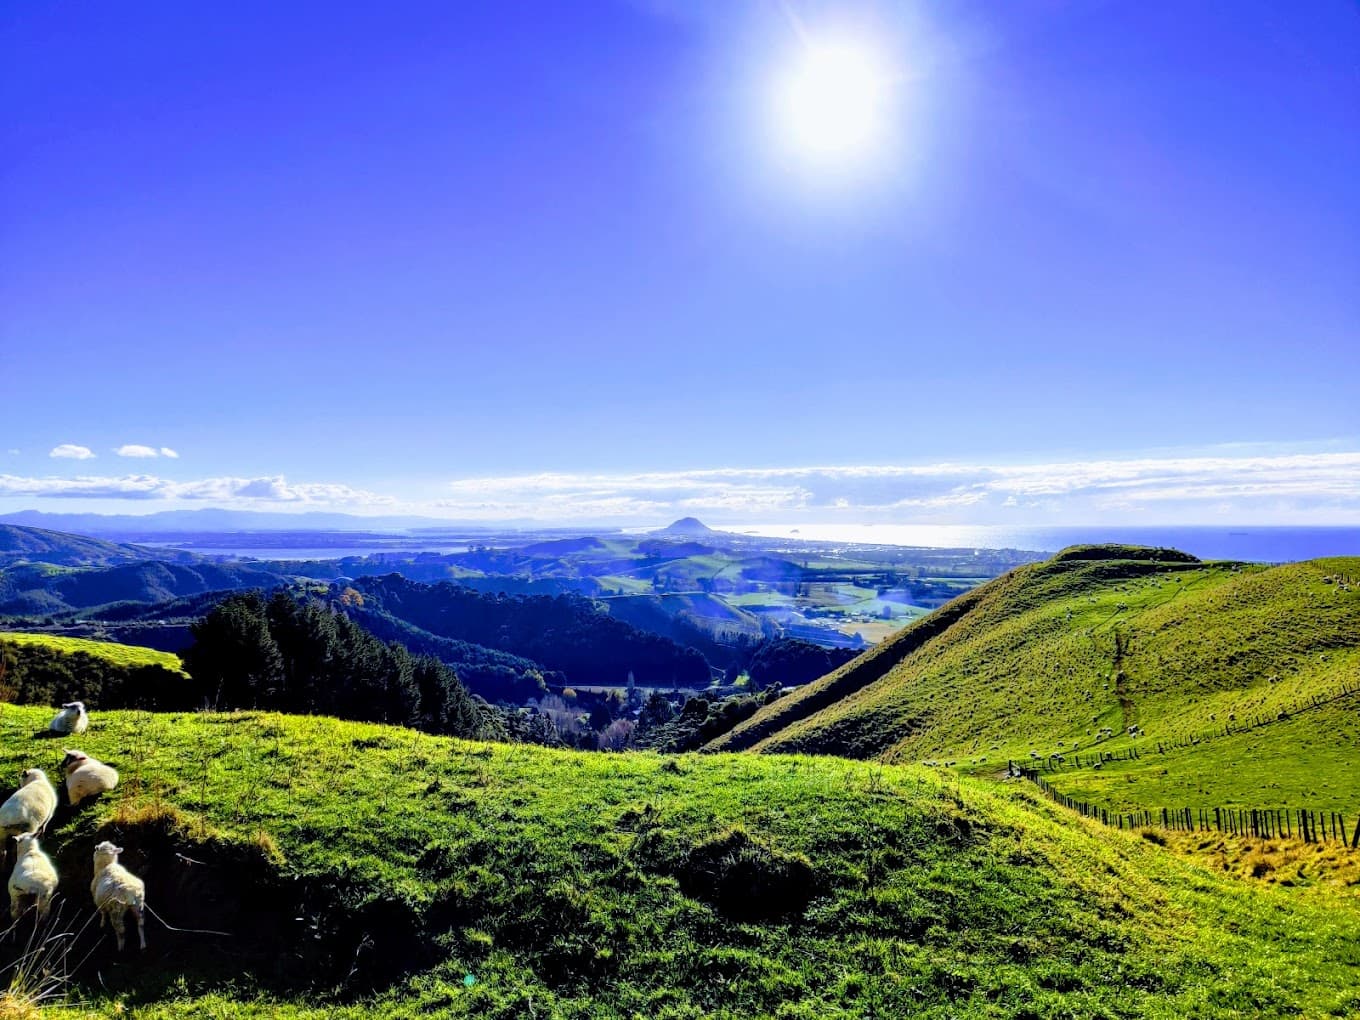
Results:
[1291, 487]
[1233, 487]
[245, 492]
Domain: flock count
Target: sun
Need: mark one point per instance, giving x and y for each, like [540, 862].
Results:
[832, 105]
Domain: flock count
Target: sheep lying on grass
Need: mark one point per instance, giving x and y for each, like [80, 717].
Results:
[34, 876]
[71, 719]
[116, 891]
[30, 807]
[86, 776]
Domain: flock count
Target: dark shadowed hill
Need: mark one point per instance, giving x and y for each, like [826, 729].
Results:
[34, 590]
[566, 633]
[39, 545]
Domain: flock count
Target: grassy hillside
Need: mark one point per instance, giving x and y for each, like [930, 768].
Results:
[20, 544]
[130, 656]
[1043, 658]
[373, 871]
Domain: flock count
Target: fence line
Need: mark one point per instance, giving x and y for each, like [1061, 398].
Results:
[1076, 759]
[1262, 823]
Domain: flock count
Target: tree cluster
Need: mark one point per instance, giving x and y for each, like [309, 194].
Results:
[661, 728]
[304, 657]
[792, 661]
[499, 677]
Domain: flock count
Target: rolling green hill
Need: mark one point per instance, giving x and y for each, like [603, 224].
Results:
[128, 656]
[1223, 658]
[365, 871]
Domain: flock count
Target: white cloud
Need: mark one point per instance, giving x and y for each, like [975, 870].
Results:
[13, 452]
[222, 491]
[1231, 484]
[135, 450]
[147, 452]
[70, 451]
[1179, 487]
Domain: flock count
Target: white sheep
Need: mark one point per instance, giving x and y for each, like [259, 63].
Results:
[86, 776]
[116, 891]
[30, 807]
[71, 719]
[34, 875]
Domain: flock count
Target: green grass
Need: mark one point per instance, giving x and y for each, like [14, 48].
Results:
[575, 884]
[130, 656]
[1307, 761]
[1044, 657]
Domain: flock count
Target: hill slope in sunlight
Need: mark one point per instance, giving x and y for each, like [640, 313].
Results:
[366, 870]
[1106, 638]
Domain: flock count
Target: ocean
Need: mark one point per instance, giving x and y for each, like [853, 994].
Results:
[1256, 544]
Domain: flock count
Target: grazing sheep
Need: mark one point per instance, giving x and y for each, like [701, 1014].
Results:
[71, 719]
[34, 875]
[30, 807]
[116, 891]
[86, 776]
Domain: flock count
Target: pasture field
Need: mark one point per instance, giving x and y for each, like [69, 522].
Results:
[1311, 760]
[365, 870]
[110, 651]
[1225, 658]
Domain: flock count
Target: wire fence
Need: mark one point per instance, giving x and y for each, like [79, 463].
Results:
[1094, 757]
[1262, 823]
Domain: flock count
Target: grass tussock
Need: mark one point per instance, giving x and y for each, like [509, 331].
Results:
[1283, 862]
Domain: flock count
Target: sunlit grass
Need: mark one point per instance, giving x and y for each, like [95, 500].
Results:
[565, 882]
[130, 656]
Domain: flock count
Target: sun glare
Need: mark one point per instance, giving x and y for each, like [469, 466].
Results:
[833, 103]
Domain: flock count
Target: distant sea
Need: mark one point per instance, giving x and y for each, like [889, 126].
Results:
[1262, 545]
[283, 551]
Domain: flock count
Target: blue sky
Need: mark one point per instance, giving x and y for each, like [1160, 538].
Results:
[551, 260]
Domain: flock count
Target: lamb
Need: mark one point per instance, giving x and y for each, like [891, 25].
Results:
[71, 719]
[30, 807]
[86, 776]
[34, 875]
[116, 891]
